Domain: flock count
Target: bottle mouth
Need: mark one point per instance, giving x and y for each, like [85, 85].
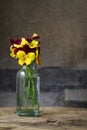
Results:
[24, 66]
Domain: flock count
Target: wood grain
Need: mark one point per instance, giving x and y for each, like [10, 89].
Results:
[53, 118]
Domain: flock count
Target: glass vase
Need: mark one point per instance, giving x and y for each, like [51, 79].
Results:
[28, 91]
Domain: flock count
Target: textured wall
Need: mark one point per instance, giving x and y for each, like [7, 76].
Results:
[61, 24]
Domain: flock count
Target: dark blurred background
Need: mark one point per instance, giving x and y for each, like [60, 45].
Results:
[62, 26]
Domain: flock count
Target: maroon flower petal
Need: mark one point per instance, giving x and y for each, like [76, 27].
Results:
[27, 49]
[18, 41]
[28, 39]
[36, 37]
[16, 50]
[12, 41]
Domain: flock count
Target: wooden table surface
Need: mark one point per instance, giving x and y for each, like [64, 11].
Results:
[53, 118]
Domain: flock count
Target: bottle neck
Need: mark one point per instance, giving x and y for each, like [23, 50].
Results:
[32, 67]
[24, 66]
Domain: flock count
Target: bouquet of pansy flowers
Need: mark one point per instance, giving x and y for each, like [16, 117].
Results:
[26, 50]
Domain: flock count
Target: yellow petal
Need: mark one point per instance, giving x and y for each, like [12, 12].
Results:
[24, 41]
[11, 48]
[28, 61]
[21, 54]
[31, 56]
[36, 52]
[21, 61]
[34, 44]
[17, 46]
[12, 54]
[38, 61]
[34, 35]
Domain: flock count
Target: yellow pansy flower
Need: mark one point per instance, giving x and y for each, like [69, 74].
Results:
[25, 58]
[23, 42]
[33, 44]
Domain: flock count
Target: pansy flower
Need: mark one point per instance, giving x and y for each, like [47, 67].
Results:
[25, 58]
[26, 50]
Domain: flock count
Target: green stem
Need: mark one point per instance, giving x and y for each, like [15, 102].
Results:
[27, 94]
[22, 92]
[33, 93]
[31, 87]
